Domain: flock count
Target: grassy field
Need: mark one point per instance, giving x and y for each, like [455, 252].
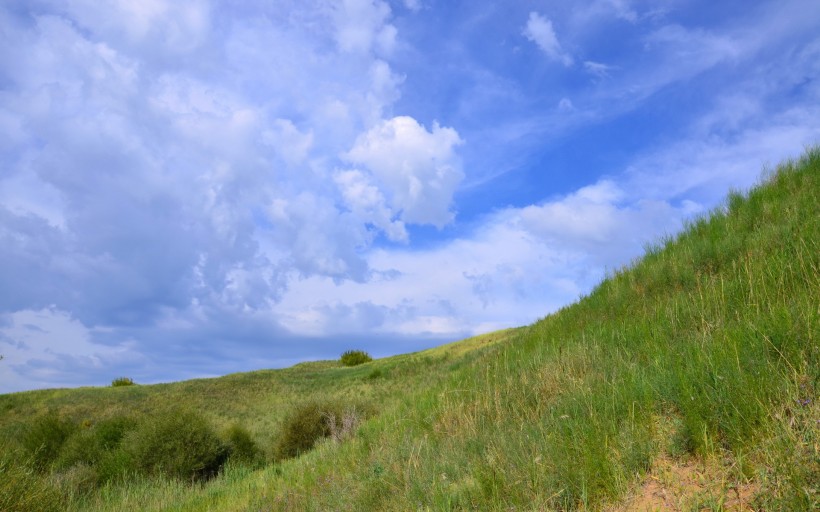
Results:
[687, 380]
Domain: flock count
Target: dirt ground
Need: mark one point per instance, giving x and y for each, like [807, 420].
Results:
[687, 485]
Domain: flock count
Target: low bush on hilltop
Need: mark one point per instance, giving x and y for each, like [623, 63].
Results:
[122, 381]
[355, 358]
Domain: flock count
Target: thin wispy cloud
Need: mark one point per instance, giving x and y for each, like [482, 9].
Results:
[597, 69]
[190, 188]
[539, 30]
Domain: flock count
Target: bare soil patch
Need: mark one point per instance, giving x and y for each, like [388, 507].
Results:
[677, 485]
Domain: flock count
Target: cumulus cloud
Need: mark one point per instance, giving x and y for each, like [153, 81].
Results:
[361, 26]
[539, 30]
[600, 220]
[367, 203]
[160, 32]
[288, 141]
[157, 168]
[418, 169]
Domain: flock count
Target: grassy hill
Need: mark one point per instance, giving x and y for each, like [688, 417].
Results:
[688, 380]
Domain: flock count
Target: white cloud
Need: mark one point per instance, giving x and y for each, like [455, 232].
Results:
[500, 276]
[622, 9]
[138, 182]
[384, 89]
[361, 27]
[48, 347]
[288, 141]
[316, 237]
[157, 29]
[539, 30]
[413, 5]
[602, 222]
[597, 69]
[417, 170]
[367, 203]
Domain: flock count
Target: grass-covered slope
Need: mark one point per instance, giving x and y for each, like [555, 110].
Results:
[706, 350]
[688, 380]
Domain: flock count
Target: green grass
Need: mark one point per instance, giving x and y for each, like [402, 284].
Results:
[703, 352]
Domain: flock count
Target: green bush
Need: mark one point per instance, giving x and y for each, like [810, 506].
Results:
[305, 425]
[122, 381]
[241, 445]
[178, 444]
[44, 438]
[114, 465]
[109, 433]
[355, 357]
[313, 421]
[92, 445]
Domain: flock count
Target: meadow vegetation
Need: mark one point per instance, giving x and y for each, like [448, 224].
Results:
[701, 357]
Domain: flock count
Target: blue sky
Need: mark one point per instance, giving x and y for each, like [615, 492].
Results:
[192, 188]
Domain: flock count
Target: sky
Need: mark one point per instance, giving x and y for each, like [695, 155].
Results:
[194, 188]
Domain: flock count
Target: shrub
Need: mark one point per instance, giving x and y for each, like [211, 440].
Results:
[109, 433]
[303, 427]
[78, 449]
[90, 446]
[44, 438]
[178, 444]
[311, 422]
[114, 465]
[355, 357]
[122, 381]
[241, 445]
